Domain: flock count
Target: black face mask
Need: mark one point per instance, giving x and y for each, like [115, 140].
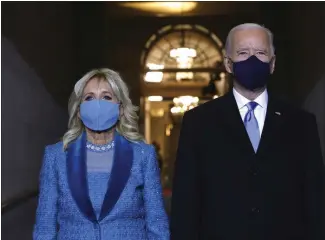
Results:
[252, 73]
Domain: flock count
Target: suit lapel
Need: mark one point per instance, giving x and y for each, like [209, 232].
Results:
[272, 126]
[235, 125]
[123, 158]
[77, 177]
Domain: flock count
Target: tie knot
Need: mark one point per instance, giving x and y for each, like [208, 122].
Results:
[252, 105]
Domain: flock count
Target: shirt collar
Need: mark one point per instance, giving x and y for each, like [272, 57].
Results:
[261, 100]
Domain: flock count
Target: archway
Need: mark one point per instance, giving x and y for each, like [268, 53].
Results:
[162, 51]
[182, 67]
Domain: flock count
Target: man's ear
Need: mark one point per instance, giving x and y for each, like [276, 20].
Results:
[272, 65]
[228, 64]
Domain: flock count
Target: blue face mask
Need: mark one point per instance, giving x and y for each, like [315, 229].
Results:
[99, 115]
[252, 73]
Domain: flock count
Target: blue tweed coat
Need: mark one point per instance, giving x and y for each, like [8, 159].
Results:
[132, 208]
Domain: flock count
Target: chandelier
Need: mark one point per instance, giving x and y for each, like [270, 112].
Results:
[183, 104]
[154, 77]
[184, 58]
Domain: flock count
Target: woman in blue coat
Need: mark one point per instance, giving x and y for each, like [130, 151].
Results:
[102, 181]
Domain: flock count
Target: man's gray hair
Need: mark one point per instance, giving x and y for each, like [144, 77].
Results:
[248, 26]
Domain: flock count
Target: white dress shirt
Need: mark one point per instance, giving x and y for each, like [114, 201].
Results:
[259, 111]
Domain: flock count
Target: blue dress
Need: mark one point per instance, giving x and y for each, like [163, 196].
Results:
[124, 203]
[99, 166]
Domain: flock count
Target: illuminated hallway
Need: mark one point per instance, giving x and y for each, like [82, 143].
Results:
[170, 55]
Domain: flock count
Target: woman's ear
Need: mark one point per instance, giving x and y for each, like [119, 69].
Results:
[78, 114]
[121, 110]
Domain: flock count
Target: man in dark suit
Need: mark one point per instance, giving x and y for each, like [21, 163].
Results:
[249, 166]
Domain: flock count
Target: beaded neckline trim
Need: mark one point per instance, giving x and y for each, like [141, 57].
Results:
[100, 148]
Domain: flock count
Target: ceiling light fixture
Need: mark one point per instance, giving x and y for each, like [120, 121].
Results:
[162, 7]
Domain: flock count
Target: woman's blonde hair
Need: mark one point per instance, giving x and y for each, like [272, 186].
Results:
[127, 125]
